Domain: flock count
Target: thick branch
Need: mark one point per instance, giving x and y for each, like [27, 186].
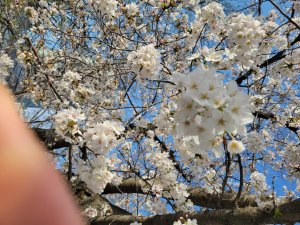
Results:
[48, 137]
[286, 213]
[197, 195]
[86, 198]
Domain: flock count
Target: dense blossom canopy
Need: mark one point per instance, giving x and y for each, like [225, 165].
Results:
[162, 107]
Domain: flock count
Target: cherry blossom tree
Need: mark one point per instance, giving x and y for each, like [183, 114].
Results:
[163, 111]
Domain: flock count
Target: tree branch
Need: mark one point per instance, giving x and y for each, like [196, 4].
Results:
[289, 212]
[198, 196]
[286, 16]
[268, 116]
[280, 55]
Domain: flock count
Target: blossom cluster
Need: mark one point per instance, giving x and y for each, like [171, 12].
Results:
[90, 212]
[106, 7]
[245, 34]
[6, 65]
[246, 37]
[187, 222]
[66, 123]
[258, 180]
[136, 223]
[145, 62]
[102, 137]
[76, 92]
[210, 14]
[165, 185]
[159, 3]
[98, 174]
[254, 142]
[32, 14]
[207, 110]
[292, 156]
[132, 9]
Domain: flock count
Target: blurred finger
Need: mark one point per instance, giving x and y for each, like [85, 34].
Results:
[31, 191]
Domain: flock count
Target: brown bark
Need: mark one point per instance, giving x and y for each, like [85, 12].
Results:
[288, 213]
[197, 195]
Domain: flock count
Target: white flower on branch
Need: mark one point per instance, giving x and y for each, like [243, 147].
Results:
[235, 147]
[145, 62]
